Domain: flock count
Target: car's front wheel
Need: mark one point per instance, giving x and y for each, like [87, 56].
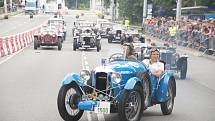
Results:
[98, 46]
[35, 43]
[59, 43]
[131, 105]
[75, 44]
[183, 71]
[68, 99]
[167, 107]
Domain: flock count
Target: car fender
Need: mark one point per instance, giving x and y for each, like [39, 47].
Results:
[161, 94]
[130, 84]
[73, 77]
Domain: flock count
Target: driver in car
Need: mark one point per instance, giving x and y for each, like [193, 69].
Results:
[153, 63]
[128, 51]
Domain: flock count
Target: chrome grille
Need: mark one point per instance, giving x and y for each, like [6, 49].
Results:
[101, 81]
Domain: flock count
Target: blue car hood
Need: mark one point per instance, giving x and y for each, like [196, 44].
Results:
[123, 67]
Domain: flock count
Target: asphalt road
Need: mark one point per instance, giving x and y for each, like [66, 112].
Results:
[31, 79]
[21, 23]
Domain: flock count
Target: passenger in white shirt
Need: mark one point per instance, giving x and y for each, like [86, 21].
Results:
[153, 63]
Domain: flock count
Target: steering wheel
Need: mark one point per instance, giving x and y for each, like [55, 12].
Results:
[116, 56]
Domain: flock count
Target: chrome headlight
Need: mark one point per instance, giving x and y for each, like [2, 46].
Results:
[85, 75]
[116, 77]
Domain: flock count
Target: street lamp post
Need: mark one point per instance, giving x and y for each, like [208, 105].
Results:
[5, 6]
[178, 10]
[144, 11]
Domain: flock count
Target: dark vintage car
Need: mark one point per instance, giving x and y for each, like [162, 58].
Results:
[120, 86]
[115, 35]
[132, 35]
[173, 60]
[103, 26]
[48, 36]
[86, 38]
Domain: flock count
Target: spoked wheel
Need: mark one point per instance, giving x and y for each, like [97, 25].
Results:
[131, 105]
[143, 77]
[167, 106]
[68, 99]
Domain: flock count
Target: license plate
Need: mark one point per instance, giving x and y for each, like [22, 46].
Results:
[117, 37]
[102, 107]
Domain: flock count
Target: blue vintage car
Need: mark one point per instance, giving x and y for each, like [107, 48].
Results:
[118, 85]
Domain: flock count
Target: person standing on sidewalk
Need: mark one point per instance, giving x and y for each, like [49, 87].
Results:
[172, 33]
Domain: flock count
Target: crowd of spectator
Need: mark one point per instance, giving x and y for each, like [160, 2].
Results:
[191, 33]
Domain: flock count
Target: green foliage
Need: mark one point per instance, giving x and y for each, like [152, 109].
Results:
[1, 3]
[82, 4]
[107, 3]
[132, 11]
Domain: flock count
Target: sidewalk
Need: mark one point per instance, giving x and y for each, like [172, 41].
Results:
[10, 14]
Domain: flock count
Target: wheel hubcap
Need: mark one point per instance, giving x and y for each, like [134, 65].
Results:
[71, 102]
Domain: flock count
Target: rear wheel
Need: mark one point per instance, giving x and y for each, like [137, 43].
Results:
[68, 99]
[131, 104]
[167, 106]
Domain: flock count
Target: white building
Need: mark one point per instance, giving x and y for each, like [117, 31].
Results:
[97, 5]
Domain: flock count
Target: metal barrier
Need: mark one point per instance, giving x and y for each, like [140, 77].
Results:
[190, 39]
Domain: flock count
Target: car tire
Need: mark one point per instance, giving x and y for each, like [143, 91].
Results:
[35, 43]
[124, 104]
[98, 45]
[59, 45]
[75, 44]
[74, 95]
[167, 107]
[183, 69]
[145, 80]
[109, 40]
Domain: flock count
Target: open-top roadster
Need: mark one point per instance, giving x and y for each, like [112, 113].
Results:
[118, 85]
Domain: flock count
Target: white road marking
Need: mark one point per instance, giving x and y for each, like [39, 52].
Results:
[101, 117]
[85, 65]
[89, 118]
[11, 56]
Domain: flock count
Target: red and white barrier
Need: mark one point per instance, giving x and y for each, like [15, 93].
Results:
[14, 43]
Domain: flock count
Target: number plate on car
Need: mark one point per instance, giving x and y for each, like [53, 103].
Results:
[117, 37]
[102, 107]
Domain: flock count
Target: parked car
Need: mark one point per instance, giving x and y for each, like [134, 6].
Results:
[48, 36]
[119, 85]
[86, 38]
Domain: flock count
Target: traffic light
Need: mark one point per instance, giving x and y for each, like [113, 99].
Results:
[114, 1]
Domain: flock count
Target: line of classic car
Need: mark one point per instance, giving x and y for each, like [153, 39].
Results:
[119, 85]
